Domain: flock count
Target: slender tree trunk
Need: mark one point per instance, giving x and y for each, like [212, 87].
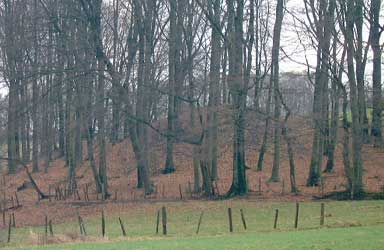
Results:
[141, 99]
[24, 119]
[68, 103]
[275, 78]
[173, 53]
[191, 94]
[224, 82]
[334, 126]
[100, 112]
[70, 154]
[360, 61]
[320, 110]
[346, 141]
[60, 104]
[35, 97]
[214, 83]
[12, 131]
[376, 73]
[45, 127]
[90, 137]
[264, 143]
[116, 97]
[356, 187]
[79, 122]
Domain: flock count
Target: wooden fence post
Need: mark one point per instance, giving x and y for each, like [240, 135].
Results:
[157, 221]
[243, 219]
[164, 220]
[276, 218]
[322, 214]
[230, 219]
[199, 223]
[82, 226]
[9, 229]
[102, 223]
[122, 227]
[297, 215]
[46, 226]
[50, 228]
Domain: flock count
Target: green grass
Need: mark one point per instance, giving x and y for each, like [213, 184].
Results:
[349, 225]
[326, 239]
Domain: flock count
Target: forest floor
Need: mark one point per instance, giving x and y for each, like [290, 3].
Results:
[348, 225]
[122, 174]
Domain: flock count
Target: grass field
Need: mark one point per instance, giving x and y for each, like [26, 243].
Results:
[339, 239]
[348, 225]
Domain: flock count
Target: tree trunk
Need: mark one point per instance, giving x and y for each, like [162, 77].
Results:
[100, 112]
[375, 34]
[116, 96]
[320, 110]
[275, 78]
[356, 187]
[214, 83]
[238, 92]
[169, 164]
[264, 143]
[334, 126]
[191, 93]
[90, 137]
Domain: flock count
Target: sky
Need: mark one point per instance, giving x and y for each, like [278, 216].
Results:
[290, 43]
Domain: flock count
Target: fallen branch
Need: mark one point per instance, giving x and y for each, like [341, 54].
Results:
[42, 196]
[10, 208]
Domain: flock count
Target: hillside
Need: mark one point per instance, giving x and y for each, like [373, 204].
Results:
[122, 174]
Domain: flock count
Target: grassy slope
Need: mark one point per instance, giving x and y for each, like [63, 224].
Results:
[358, 238]
[183, 216]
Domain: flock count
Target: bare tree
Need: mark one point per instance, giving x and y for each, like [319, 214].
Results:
[238, 92]
[322, 21]
[275, 79]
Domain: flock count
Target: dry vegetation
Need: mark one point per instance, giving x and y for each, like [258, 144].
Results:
[122, 175]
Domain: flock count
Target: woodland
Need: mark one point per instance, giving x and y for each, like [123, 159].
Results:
[81, 76]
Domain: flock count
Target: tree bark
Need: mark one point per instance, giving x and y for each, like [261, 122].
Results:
[238, 92]
[320, 111]
[375, 34]
[275, 78]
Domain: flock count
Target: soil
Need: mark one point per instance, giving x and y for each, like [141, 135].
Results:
[122, 173]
